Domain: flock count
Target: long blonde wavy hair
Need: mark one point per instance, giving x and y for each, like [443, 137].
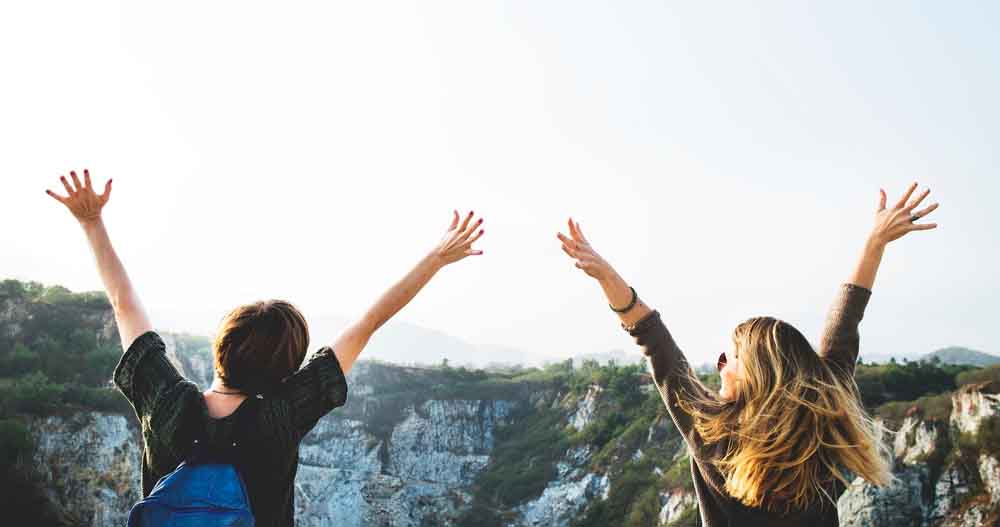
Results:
[795, 423]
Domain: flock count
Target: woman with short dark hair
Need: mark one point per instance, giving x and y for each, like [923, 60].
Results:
[260, 398]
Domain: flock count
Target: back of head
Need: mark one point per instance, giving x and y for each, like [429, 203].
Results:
[794, 425]
[260, 344]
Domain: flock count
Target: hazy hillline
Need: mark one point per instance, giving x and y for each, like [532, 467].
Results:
[404, 343]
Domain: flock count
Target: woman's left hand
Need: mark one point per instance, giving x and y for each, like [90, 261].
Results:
[82, 202]
[586, 257]
[457, 242]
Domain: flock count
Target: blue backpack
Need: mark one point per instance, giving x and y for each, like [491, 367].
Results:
[205, 490]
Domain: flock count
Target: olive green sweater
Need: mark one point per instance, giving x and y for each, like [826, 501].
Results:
[838, 345]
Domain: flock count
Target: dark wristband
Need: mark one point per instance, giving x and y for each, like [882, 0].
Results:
[630, 305]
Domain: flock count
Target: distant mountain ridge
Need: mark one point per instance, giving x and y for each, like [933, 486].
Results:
[960, 355]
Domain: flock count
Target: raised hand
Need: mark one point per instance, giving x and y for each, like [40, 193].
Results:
[893, 223]
[82, 201]
[454, 246]
[457, 242]
[587, 259]
[630, 309]
[890, 224]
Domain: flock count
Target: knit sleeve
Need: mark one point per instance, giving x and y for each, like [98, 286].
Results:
[315, 390]
[839, 342]
[145, 376]
[671, 373]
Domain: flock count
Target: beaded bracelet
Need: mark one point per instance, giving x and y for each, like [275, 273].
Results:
[630, 305]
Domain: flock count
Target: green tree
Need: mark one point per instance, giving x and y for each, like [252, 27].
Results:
[20, 360]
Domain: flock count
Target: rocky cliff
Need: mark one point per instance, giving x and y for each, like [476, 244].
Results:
[946, 470]
[416, 447]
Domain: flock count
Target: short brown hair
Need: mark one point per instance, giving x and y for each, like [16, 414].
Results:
[260, 344]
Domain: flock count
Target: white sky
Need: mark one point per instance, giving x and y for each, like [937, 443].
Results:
[726, 159]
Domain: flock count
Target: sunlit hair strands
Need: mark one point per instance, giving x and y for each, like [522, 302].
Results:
[795, 419]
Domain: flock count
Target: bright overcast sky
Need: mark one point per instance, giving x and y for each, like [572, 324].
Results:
[726, 160]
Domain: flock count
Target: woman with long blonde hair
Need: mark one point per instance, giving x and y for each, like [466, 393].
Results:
[777, 442]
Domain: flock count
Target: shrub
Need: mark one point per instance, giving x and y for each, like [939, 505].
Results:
[15, 443]
[932, 408]
[35, 393]
[987, 374]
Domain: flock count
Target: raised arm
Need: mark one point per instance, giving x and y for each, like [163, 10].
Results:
[456, 245]
[839, 341]
[670, 369]
[86, 207]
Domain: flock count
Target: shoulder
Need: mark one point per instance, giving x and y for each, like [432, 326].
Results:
[149, 343]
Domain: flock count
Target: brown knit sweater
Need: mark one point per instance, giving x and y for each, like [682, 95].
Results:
[838, 345]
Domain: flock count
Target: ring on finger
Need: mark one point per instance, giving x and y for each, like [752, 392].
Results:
[914, 217]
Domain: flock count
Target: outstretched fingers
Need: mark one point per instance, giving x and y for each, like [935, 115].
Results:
[571, 247]
[468, 243]
[107, 191]
[579, 232]
[76, 182]
[465, 223]
[925, 211]
[464, 237]
[902, 201]
[69, 189]
[566, 240]
[881, 200]
[55, 196]
[917, 201]
[457, 242]
[920, 214]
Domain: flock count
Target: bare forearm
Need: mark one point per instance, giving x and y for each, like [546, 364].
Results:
[400, 294]
[868, 263]
[619, 294]
[130, 314]
[116, 282]
[355, 338]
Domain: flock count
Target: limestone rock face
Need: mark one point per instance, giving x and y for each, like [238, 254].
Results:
[954, 492]
[972, 405]
[587, 408]
[916, 440]
[567, 495]
[989, 474]
[950, 490]
[196, 364]
[90, 464]
[417, 472]
[674, 504]
[901, 503]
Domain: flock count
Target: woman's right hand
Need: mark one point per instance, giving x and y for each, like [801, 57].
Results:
[587, 259]
[893, 223]
[82, 201]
